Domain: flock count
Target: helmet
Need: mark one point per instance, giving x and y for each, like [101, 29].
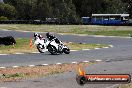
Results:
[40, 36]
[36, 34]
[47, 34]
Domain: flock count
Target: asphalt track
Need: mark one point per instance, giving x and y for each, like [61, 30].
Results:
[116, 60]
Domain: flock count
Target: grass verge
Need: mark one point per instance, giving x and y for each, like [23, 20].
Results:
[23, 47]
[78, 46]
[15, 74]
[73, 29]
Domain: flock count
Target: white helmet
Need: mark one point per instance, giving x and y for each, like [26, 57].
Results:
[36, 34]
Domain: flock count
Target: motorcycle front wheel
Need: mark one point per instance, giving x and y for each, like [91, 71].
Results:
[52, 50]
[66, 50]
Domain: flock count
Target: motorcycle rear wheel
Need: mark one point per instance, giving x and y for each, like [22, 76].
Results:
[40, 49]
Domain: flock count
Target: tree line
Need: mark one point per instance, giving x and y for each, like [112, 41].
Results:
[65, 10]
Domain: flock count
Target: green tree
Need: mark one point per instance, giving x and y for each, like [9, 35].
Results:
[128, 6]
[91, 6]
[78, 5]
[3, 18]
[32, 9]
[7, 11]
[11, 2]
[115, 6]
[23, 8]
[42, 10]
[72, 15]
[65, 10]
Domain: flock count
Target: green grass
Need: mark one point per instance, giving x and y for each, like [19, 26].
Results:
[112, 33]
[72, 29]
[77, 46]
[22, 46]
[12, 75]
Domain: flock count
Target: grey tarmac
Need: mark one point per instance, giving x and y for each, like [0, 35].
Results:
[116, 60]
[68, 80]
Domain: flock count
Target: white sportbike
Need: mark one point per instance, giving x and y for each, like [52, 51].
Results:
[52, 46]
[57, 48]
[41, 44]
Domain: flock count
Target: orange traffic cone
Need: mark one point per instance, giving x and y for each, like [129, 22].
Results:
[31, 43]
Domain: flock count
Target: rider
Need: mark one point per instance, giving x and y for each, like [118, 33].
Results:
[50, 37]
[36, 35]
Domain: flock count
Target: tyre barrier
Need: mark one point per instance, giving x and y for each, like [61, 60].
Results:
[9, 40]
